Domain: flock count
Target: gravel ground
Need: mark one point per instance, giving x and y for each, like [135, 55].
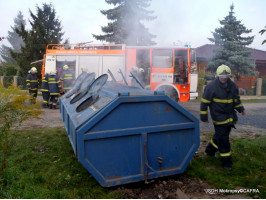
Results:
[48, 119]
[254, 120]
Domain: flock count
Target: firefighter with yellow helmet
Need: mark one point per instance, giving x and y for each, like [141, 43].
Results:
[222, 97]
[66, 78]
[32, 84]
[45, 91]
[54, 88]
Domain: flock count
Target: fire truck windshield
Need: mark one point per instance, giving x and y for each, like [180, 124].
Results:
[162, 58]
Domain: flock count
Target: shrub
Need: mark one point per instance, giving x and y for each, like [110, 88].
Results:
[251, 91]
[9, 70]
[201, 84]
[203, 80]
[1, 70]
[8, 81]
[13, 111]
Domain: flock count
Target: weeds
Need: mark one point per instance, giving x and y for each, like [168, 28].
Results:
[13, 111]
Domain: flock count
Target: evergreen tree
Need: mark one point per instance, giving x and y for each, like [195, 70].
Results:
[126, 26]
[14, 39]
[232, 47]
[45, 29]
[261, 32]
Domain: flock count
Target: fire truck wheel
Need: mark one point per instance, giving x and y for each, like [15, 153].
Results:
[169, 91]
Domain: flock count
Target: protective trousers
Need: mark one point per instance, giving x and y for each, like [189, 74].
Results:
[220, 142]
[53, 101]
[45, 96]
[33, 96]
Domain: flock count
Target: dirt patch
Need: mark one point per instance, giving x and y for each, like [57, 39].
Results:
[246, 131]
[48, 119]
[176, 187]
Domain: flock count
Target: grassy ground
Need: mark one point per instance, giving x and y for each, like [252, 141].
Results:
[248, 167]
[253, 100]
[42, 165]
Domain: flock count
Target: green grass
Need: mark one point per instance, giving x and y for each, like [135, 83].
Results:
[248, 167]
[242, 100]
[42, 165]
[253, 100]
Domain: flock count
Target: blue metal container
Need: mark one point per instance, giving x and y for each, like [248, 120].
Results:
[128, 135]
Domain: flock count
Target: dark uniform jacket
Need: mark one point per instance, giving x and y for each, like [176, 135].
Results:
[32, 81]
[67, 79]
[54, 84]
[223, 100]
[45, 85]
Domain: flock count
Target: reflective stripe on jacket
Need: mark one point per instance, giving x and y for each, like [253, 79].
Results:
[45, 85]
[222, 100]
[67, 79]
[54, 84]
[32, 81]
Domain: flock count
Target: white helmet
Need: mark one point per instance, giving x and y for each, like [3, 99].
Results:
[53, 71]
[84, 69]
[33, 69]
[134, 68]
[65, 67]
[141, 70]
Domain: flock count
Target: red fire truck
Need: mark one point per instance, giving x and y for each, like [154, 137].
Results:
[170, 69]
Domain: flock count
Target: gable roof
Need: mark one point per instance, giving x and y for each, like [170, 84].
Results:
[207, 51]
[258, 54]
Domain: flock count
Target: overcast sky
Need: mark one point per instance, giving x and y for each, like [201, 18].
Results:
[178, 21]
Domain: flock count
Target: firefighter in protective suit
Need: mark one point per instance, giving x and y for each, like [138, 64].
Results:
[66, 78]
[54, 88]
[32, 84]
[222, 97]
[139, 74]
[84, 72]
[45, 91]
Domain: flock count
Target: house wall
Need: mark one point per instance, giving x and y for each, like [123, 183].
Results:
[201, 65]
[261, 67]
